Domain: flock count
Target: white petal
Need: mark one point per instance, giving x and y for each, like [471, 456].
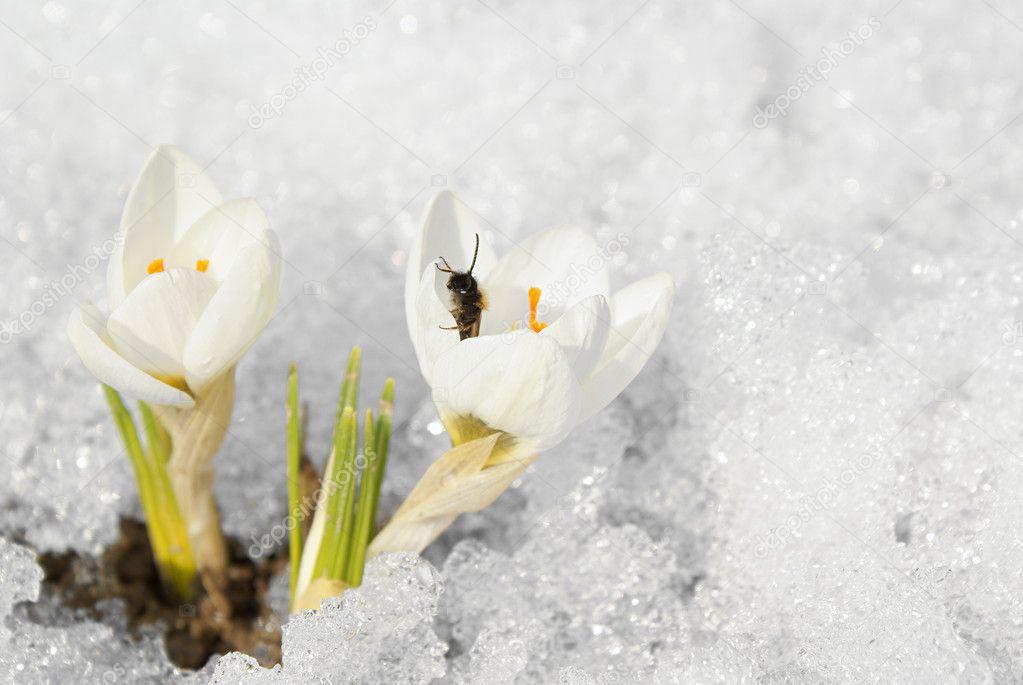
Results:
[86, 329]
[639, 315]
[440, 283]
[582, 332]
[449, 230]
[565, 263]
[171, 193]
[519, 383]
[220, 235]
[237, 313]
[154, 322]
[430, 337]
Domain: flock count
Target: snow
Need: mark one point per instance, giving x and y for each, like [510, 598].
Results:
[378, 633]
[816, 478]
[50, 644]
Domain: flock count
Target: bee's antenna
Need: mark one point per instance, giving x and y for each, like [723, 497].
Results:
[447, 270]
[475, 253]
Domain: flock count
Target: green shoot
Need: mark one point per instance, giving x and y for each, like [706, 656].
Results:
[383, 436]
[350, 383]
[340, 479]
[363, 523]
[339, 561]
[294, 440]
[377, 438]
[346, 515]
[168, 514]
[168, 535]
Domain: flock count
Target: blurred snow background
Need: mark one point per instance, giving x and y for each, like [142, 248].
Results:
[815, 480]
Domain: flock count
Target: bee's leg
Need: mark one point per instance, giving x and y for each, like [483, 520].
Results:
[448, 328]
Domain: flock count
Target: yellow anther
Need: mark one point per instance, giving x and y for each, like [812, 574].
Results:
[202, 265]
[155, 266]
[534, 302]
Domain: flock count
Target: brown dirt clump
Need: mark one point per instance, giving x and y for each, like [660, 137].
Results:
[230, 613]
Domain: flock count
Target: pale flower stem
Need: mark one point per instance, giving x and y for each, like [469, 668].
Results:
[466, 478]
[196, 436]
[194, 488]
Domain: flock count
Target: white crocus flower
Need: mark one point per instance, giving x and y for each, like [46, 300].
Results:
[555, 346]
[535, 386]
[192, 284]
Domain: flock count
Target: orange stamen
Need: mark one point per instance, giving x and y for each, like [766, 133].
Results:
[534, 302]
[155, 266]
[202, 265]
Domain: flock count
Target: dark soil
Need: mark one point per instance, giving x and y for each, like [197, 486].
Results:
[228, 614]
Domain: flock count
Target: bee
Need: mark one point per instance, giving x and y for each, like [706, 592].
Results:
[469, 301]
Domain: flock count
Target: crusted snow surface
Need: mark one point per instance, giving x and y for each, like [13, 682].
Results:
[815, 479]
